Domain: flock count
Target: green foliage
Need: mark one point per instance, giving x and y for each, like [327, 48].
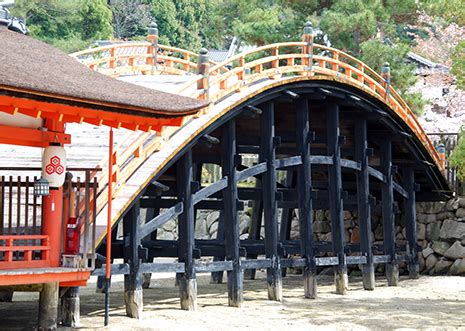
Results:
[458, 64]
[375, 53]
[95, 20]
[452, 11]
[350, 22]
[67, 24]
[457, 157]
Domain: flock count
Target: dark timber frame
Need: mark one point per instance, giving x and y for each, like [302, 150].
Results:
[339, 150]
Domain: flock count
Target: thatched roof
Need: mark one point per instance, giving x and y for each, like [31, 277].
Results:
[33, 69]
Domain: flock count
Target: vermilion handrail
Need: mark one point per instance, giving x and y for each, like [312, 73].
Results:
[238, 72]
[28, 260]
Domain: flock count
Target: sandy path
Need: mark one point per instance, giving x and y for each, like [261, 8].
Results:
[426, 303]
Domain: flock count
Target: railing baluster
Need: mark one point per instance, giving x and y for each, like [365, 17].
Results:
[86, 212]
[34, 211]
[10, 205]
[2, 206]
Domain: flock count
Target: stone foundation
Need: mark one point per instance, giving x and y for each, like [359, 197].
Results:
[440, 232]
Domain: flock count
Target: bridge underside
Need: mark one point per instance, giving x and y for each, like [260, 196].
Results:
[316, 145]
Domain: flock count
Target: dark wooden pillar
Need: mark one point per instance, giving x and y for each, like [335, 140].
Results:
[335, 197]
[48, 307]
[410, 223]
[187, 280]
[270, 206]
[304, 189]
[387, 197]
[133, 295]
[255, 228]
[230, 217]
[149, 215]
[364, 210]
[70, 307]
[217, 276]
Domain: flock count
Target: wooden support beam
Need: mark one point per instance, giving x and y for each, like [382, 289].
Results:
[270, 206]
[231, 219]
[70, 307]
[217, 276]
[364, 210]
[410, 223]
[387, 200]
[150, 214]
[335, 196]
[187, 280]
[48, 307]
[304, 189]
[133, 295]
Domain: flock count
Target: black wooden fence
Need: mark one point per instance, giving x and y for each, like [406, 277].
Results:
[450, 141]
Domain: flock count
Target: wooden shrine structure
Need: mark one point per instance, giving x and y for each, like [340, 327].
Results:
[41, 90]
[342, 136]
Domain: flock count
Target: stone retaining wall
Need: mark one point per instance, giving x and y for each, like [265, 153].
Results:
[440, 232]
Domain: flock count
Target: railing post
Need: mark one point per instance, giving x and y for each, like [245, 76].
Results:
[307, 50]
[152, 37]
[386, 74]
[203, 66]
[441, 149]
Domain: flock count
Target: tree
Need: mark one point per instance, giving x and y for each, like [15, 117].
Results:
[130, 18]
[457, 157]
[95, 20]
[452, 11]
[374, 53]
[350, 22]
[458, 64]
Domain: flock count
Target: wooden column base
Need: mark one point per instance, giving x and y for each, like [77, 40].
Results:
[310, 285]
[275, 284]
[133, 299]
[235, 288]
[368, 274]
[188, 293]
[70, 307]
[341, 281]
[414, 270]
[48, 307]
[146, 280]
[392, 274]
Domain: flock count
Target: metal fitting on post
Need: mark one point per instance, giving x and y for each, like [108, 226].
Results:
[203, 64]
[152, 37]
[307, 37]
[386, 74]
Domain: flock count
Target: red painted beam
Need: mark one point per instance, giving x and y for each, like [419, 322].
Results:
[31, 137]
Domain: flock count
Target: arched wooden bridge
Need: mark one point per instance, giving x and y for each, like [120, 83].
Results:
[342, 135]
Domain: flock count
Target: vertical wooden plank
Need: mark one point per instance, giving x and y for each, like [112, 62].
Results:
[34, 211]
[304, 191]
[187, 280]
[286, 215]
[217, 276]
[149, 215]
[274, 276]
[133, 294]
[410, 223]
[387, 197]
[255, 228]
[2, 205]
[10, 206]
[364, 210]
[335, 196]
[231, 219]
[18, 206]
[26, 207]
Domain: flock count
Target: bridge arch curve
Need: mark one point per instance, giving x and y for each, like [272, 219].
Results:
[340, 147]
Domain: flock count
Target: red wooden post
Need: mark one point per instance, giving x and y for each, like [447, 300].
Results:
[52, 210]
[203, 67]
[307, 50]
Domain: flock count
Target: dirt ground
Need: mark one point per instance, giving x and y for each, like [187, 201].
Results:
[425, 303]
